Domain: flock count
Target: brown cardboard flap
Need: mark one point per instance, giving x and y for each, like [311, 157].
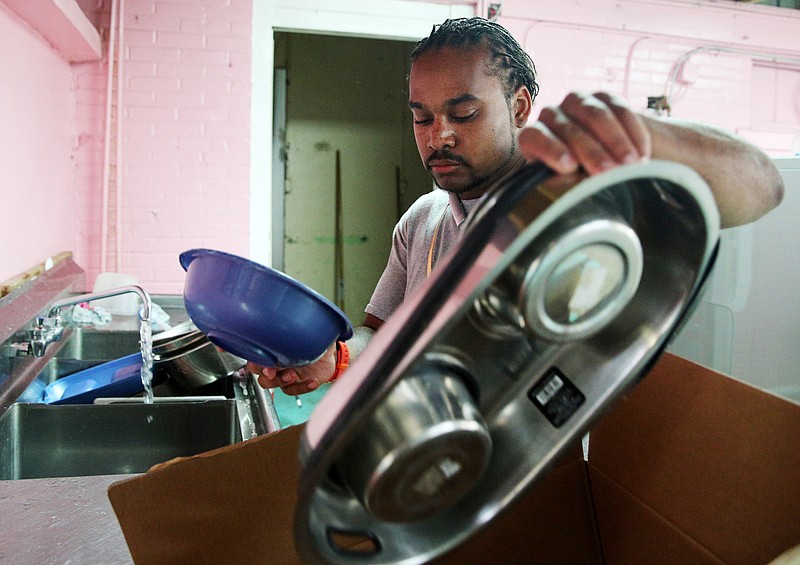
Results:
[635, 533]
[551, 523]
[235, 505]
[230, 505]
[714, 457]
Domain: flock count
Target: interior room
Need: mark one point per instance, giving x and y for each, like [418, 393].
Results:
[192, 185]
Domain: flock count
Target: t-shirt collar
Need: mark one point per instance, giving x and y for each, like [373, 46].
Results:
[461, 208]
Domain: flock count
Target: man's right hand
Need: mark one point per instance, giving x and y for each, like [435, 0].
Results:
[297, 380]
[300, 380]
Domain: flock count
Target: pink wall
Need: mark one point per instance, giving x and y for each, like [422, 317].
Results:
[186, 112]
[185, 140]
[36, 138]
[624, 47]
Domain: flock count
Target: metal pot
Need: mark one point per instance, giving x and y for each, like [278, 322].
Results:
[557, 299]
[176, 337]
[422, 450]
[186, 355]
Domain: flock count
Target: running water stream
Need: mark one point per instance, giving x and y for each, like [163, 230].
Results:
[146, 343]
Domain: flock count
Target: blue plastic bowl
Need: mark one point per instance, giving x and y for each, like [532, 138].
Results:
[118, 378]
[258, 313]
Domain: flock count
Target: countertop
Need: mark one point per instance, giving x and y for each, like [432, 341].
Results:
[67, 520]
[60, 521]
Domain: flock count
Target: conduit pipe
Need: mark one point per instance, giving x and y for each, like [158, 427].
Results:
[681, 61]
[112, 39]
[113, 131]
[668, 86]
[118, 167]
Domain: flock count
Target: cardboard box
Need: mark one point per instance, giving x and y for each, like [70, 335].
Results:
[690, 467]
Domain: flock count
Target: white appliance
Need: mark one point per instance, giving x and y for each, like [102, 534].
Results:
[747, 324]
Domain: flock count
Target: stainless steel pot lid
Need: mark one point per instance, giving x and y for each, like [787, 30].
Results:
[558, 298]
[182, 346]
[180, 336]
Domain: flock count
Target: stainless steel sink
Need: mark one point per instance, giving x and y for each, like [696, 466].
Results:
[38, 441]
[122, 437]
[80, 349]
[59, 367]
[87, 344]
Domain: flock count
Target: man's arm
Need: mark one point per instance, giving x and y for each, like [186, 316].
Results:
[745, 182]
[599, 131]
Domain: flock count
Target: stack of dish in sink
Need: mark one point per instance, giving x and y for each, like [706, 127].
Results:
[185, 355]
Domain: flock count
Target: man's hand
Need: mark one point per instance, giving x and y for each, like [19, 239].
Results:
[297, 380]
[594, 131]
[300, 380]
[599, 131]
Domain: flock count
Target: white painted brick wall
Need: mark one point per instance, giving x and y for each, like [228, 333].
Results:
[185, 137]
[187, 105]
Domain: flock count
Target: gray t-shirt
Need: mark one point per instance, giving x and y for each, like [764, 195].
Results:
[412, 241]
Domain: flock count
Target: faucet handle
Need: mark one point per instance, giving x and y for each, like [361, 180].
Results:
[49, 327]
[40, 337]
[45, 330]
[38, 330]
[19, 349]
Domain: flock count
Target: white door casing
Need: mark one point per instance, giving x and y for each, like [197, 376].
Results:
[386, 19]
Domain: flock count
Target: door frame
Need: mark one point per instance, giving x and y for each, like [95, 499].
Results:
[405, 20]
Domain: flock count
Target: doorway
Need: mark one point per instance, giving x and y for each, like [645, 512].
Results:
[345, 97]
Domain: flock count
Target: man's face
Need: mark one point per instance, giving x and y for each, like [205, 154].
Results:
[463, 125]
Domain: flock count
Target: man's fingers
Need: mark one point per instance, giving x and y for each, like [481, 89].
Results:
[594, 134]
[538, 143]
[630, 120]
[594, 131]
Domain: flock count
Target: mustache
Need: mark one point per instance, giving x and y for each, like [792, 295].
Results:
[445, 155]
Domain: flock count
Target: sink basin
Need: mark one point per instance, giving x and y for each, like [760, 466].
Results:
[81, 349]
[39, 441]
[87, 344]
[59, 367]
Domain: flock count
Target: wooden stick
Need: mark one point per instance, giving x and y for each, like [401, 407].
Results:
[339, 243]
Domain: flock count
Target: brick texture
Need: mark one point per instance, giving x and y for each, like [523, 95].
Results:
[185, 105]
[185, 141]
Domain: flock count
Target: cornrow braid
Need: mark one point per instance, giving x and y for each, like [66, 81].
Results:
[511, 63]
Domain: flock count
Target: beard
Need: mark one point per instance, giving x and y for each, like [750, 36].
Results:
[475, 180]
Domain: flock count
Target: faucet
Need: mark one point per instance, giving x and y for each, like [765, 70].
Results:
[48, 329]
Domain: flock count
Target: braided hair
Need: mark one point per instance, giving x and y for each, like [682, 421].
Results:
[509, 61]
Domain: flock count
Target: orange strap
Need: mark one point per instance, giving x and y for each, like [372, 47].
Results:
[342, 360]
[434, 239]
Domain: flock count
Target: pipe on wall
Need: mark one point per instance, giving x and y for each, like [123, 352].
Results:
[112, 40]
[113, 131]
[752, 54]
[118, 159]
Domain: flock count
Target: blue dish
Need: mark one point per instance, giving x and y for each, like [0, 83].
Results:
[118, 378]
[258, 313]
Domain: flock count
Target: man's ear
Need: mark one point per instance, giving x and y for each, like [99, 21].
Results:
[522, 106]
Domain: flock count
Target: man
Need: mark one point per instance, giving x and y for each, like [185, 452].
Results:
[471, 92]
